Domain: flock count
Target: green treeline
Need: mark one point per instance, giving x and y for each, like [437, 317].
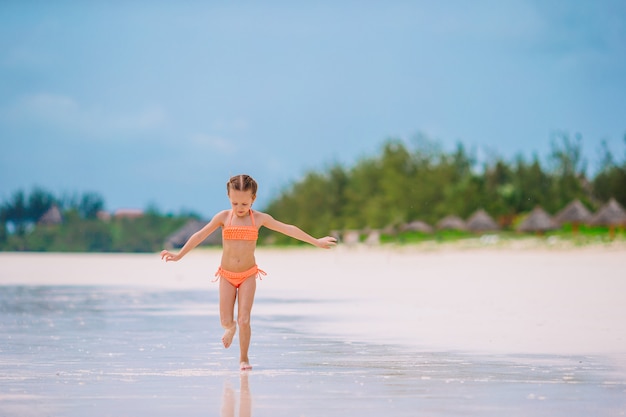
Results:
[419, 181]
[405, 182]
[78, 227]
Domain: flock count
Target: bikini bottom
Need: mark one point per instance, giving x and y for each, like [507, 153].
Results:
[237, 278]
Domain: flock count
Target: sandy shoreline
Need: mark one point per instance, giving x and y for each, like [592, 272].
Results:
[444, 331]
[501, 299]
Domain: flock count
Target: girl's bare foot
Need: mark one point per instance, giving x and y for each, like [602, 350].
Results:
[227, 339]
[245, 366]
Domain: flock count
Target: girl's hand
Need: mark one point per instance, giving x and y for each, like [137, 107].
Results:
[326, 242]
[168, 256]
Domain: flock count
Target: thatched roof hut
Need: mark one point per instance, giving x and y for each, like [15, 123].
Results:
[417, 226]
[351, 237]
[537, 221]
[179, 237]
[611, 214]
[373, 237]
[451, 223]
[575, 213]
[128, 213]
[389, 230]
[51, 217]
[480, 221]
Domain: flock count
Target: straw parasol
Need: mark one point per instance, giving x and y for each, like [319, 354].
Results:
[537, 221]
[373, 237]
[351, 237]
[417, 226]
[611, 214]
[480, 221]
[451, 223]
[574, 213]
[389, 230]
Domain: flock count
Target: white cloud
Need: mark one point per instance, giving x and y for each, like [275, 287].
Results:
[57, 111]
[214, 143]
[45, 108]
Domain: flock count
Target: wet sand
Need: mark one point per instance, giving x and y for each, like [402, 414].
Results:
[400, 331]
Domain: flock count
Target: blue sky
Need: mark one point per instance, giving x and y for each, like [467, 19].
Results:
[158, 103]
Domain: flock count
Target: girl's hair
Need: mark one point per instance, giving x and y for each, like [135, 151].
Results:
[242, 182]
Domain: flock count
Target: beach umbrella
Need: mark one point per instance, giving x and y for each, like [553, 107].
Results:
[480, 221]
[417, 226]
[537, 221]
[611, 214]
[574, 213]
[451, 223]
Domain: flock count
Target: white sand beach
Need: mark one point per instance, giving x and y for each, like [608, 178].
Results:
[441, 330]
[513, 300]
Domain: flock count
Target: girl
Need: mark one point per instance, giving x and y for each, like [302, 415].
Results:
[238, 268]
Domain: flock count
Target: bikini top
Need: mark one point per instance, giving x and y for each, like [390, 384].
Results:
[230, 232]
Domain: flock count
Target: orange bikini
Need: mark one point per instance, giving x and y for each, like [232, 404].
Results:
[230, 232]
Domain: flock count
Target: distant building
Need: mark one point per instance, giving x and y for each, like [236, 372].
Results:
[128, 213]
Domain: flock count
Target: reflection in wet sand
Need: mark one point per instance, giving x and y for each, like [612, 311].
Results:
[245, 398]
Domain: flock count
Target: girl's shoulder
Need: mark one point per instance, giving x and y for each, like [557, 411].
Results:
[259, 215]
[222, 215]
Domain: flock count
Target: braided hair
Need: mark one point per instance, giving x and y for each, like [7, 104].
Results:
[242, 182]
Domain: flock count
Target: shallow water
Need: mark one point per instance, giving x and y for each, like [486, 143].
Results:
[104, 351]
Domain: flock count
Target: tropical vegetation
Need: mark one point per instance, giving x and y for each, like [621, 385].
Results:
[81, 229]
[407, 181]
[417, 180]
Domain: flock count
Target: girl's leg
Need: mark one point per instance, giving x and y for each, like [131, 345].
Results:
[228, 294]
[244, 307]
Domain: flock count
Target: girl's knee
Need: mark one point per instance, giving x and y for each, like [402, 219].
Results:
[243, 321]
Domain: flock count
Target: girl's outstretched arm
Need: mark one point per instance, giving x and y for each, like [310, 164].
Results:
[295, 232]
[195, 239]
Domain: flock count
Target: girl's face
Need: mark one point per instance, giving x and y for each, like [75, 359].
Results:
[241, 201]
